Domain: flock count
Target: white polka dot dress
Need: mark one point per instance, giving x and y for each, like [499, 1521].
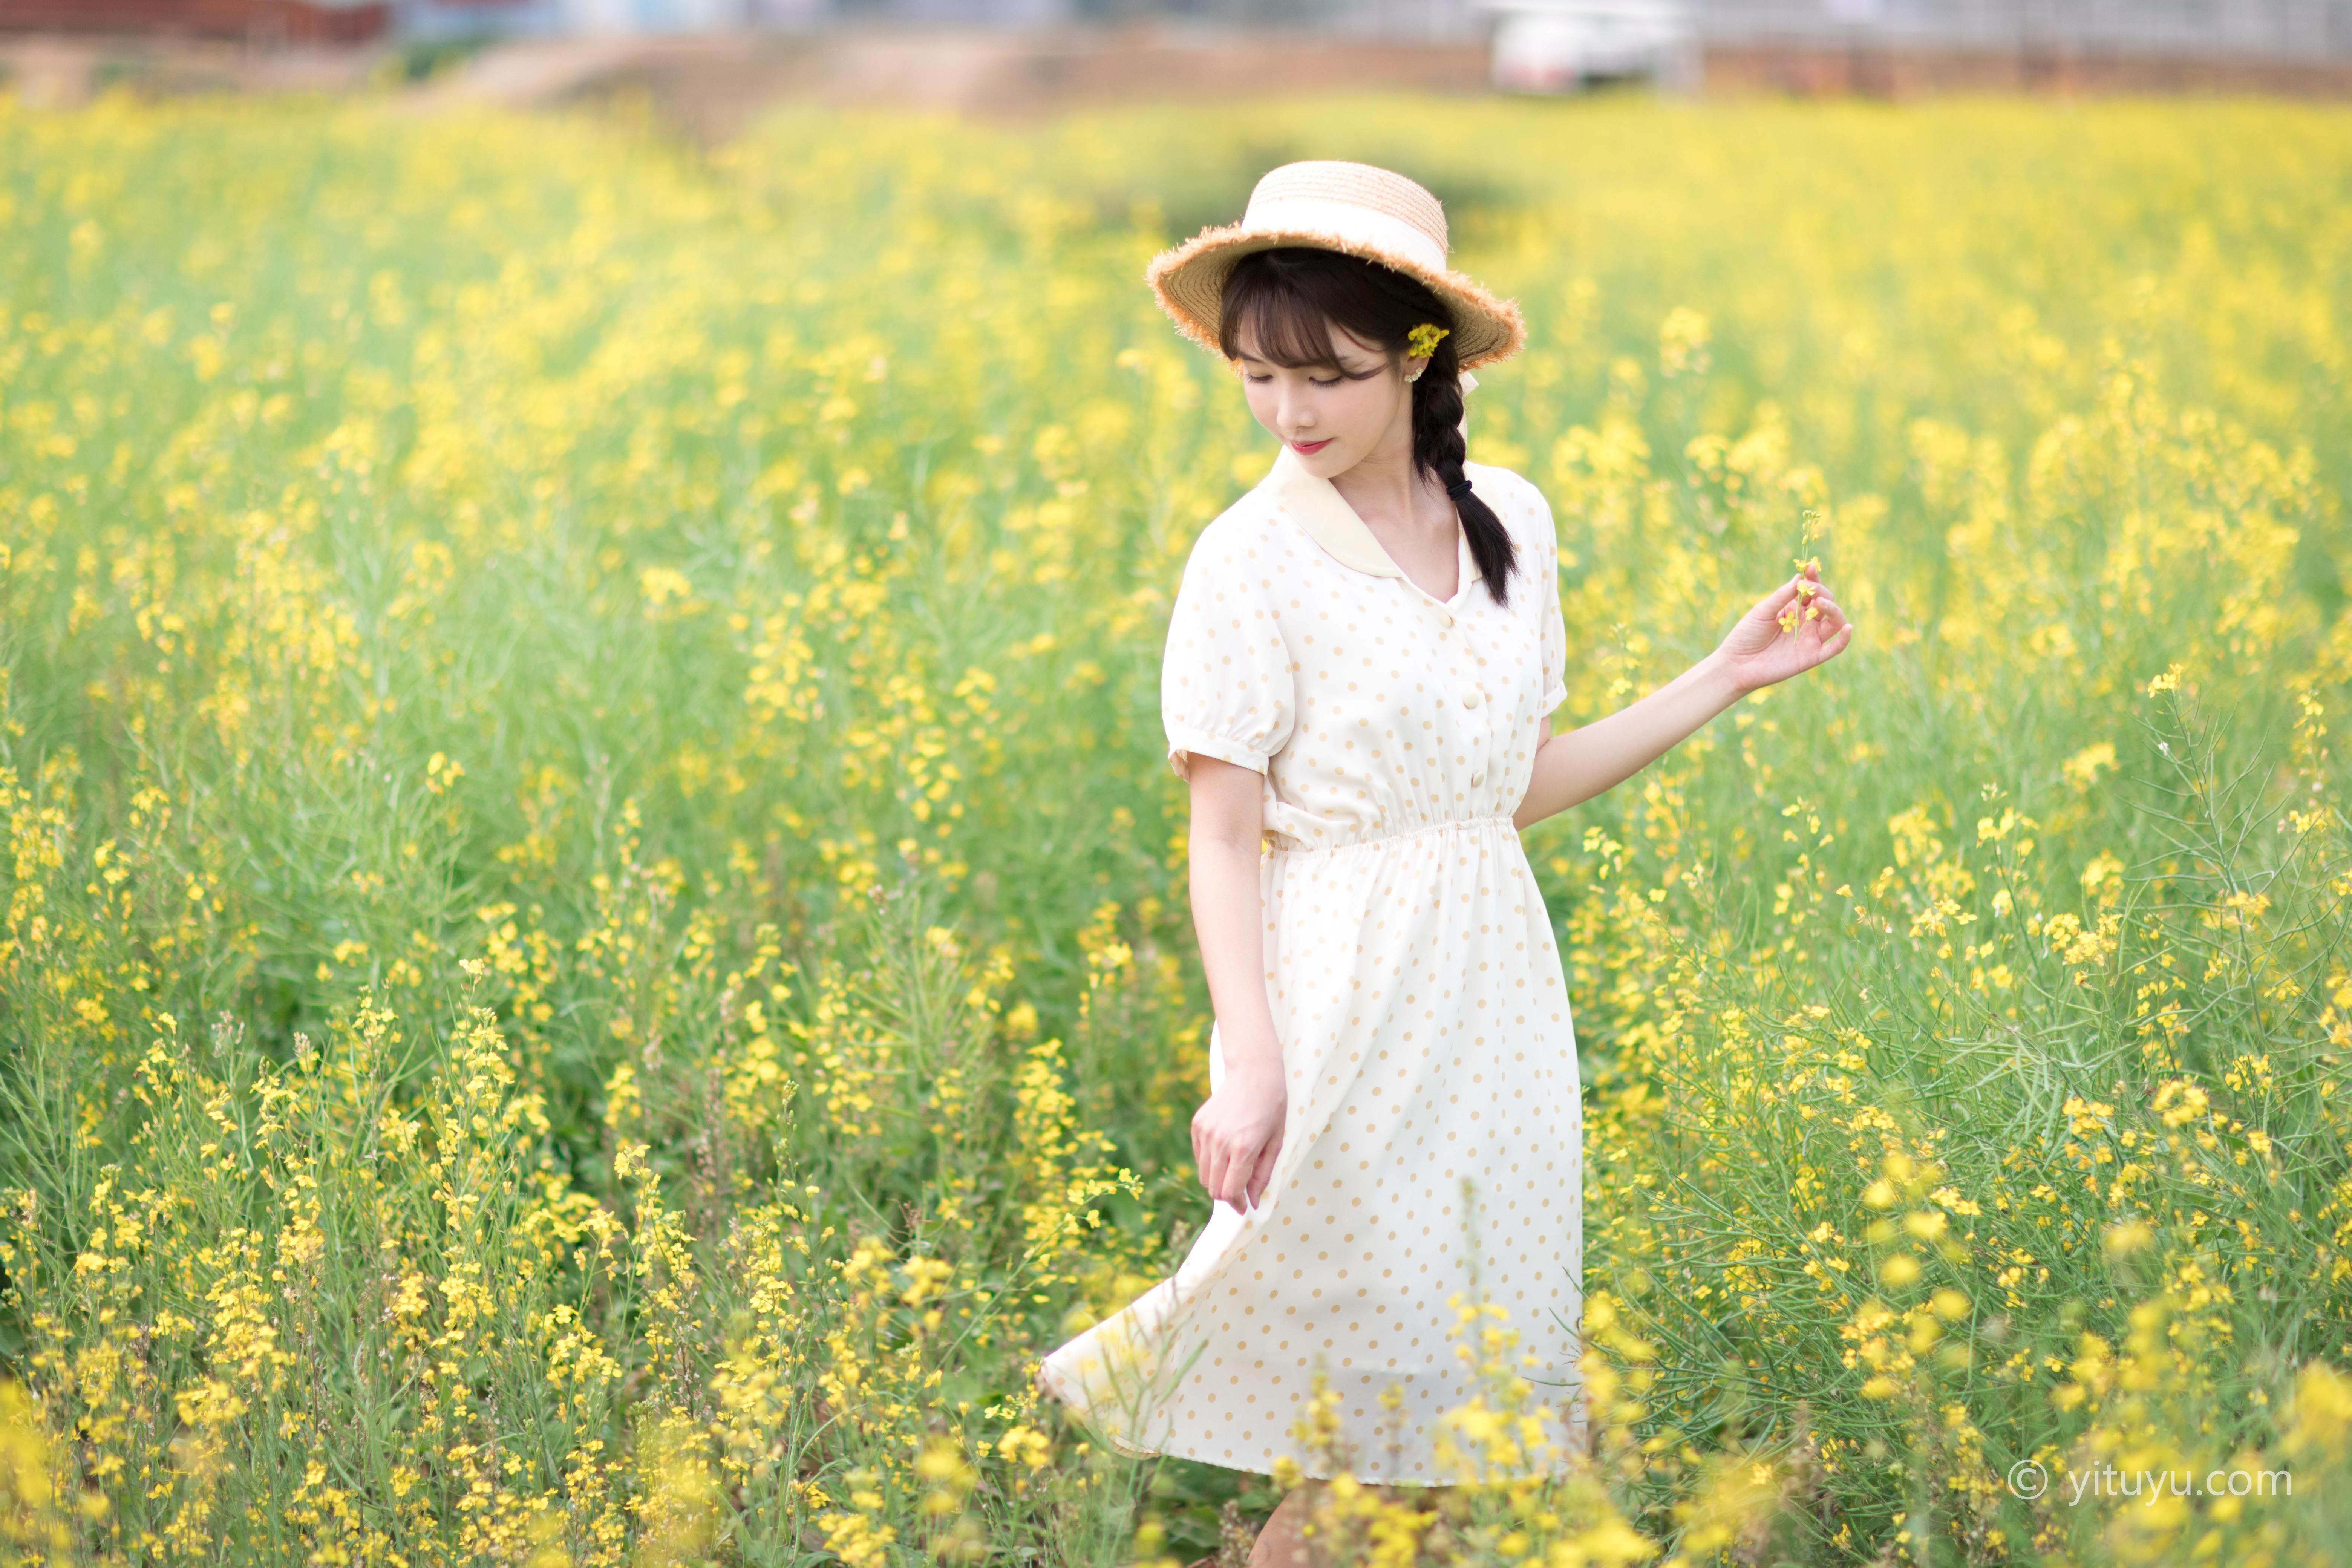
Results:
[1424, 1023]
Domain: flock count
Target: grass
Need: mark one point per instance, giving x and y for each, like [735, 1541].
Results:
[594, 958]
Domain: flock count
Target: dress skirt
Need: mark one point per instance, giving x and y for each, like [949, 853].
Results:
[1430, 1166]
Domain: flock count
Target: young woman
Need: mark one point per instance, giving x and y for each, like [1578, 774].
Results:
[1359, 671]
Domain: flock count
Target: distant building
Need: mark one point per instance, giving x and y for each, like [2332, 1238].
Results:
[265, 21]
[268, 22]
[1894, 45]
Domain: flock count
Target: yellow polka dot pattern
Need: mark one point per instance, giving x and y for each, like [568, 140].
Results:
[1424, 1022]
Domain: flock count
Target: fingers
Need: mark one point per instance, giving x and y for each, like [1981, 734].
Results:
[1232, 1180]
[1230, 1172]
[1203, 1147]
[1831, 630]
[1823, 613]
[1816, 608]
[1224, 1174]
[1262, 1174]
[1833, 613]
[1217, 1172]
[1773, 602]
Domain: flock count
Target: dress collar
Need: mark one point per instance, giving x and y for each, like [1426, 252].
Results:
[1317, 506]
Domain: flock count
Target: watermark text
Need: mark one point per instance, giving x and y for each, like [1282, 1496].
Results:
[2029, 1479]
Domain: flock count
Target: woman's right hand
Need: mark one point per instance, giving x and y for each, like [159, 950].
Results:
[1237, 1131]
[1792, 628]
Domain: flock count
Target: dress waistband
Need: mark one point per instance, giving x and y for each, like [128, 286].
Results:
[1278, 845]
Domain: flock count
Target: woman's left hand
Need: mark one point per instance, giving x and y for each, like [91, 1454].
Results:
[1792, 628]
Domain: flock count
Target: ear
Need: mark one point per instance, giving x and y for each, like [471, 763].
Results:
[1414, 365]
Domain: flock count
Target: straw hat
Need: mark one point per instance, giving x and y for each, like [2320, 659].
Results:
[1354, 208]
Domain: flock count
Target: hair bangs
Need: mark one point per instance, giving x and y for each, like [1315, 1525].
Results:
[1273, 312]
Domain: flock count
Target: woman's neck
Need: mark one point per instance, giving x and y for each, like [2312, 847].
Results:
[1406, 513]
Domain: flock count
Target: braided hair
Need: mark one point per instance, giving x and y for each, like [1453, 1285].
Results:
[1292, 296]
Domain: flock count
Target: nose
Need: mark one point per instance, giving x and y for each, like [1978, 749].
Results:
[1296, 413]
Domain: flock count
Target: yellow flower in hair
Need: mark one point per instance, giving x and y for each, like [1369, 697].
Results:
[1423, 339]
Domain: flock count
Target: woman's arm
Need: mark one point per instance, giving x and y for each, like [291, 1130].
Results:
[1790, 630]
[1237, 1131]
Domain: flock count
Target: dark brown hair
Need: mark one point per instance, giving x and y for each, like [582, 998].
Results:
[1291, 297]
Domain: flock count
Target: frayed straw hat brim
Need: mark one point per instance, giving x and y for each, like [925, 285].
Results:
[1190, 281]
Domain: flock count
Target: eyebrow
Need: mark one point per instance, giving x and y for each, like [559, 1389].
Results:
[1245, 357]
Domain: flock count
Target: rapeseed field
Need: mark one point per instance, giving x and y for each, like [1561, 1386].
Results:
[594, 957]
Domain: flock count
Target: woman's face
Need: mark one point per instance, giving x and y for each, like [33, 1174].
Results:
[1333, 418]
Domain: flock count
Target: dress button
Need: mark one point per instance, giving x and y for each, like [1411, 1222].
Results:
[1469, 699]
[1477, 779]
[1446, 620]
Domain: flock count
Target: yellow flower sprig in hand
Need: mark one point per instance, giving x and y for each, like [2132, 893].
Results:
[1794, 627]
[1809, 572]
[1423, 341]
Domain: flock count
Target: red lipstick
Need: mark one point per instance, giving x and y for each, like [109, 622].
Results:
[1309, 448]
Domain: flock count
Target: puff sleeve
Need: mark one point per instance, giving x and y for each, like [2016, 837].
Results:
[1227, 688]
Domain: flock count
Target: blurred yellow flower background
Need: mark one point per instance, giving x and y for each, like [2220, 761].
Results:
[594, 957]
